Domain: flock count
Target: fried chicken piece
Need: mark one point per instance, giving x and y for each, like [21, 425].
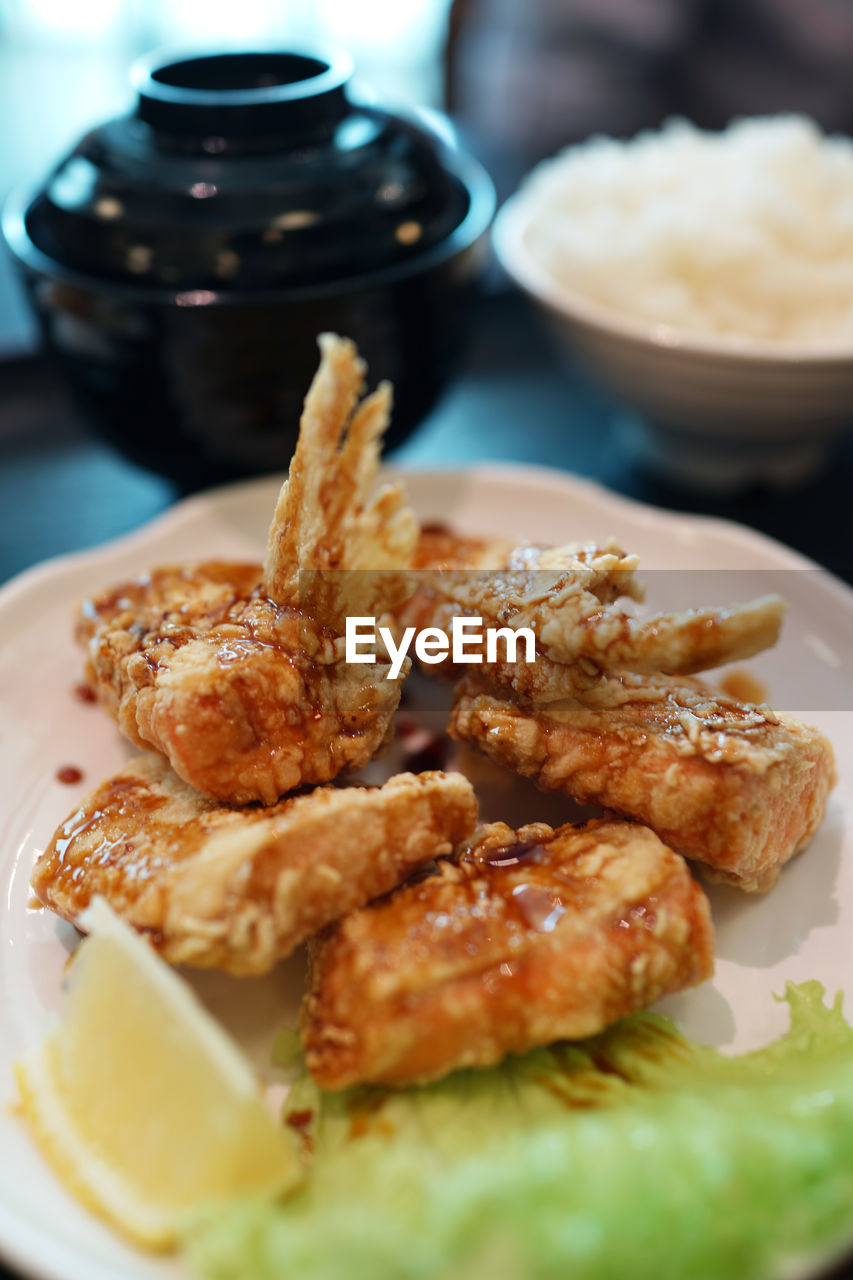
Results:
[454, 566]
[247, 699]
[527, 937]
[740, 788]
[237, 674]
[455, 569]
[567, 595]
[239, 889]
[440, 548]
[335, 548]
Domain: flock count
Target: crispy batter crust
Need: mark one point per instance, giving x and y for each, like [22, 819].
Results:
[335, 547]
[568, 596]
[527, 937]
[239, 889]
[237, 673]
[737, 787]
[247, 699]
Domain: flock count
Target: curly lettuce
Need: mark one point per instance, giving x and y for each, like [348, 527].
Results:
[636, 1153]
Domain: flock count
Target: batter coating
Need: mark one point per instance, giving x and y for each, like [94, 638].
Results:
[237, 673]
[740, 788]
[239, 889]
[524, 938]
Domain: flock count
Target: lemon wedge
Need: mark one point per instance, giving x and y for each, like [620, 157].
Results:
[140, 1100]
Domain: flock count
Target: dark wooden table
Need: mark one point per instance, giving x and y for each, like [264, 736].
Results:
[515, 400]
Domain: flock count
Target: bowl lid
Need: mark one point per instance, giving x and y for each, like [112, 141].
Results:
[250, 171]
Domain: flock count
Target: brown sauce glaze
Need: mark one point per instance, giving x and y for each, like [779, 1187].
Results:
[434, 755]
[539, 907]
[744, 687]
[405, 727]
[69, 774]
[301, 1122]
[514, 854]
[440, 548]
[530, 884]
[97, 835]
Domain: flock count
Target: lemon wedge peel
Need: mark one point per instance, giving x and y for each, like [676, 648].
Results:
[140, 1101]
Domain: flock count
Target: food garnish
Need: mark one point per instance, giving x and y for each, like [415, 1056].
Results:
[637, 1153]
[143, 1105]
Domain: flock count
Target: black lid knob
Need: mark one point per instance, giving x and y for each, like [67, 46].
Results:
[242, 94]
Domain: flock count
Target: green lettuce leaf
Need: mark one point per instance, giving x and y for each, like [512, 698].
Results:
[634, 1154]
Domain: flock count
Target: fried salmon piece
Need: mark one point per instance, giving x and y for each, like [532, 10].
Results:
[247, 699]
[738, 787]
[452, 568]
[568, 596]
[239, 889]
[524, 938]
[237, 673]
[339, 544]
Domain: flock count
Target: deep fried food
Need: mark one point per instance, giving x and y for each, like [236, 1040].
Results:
[601, 716]
[738, 787]
[239, 889]
[567, 596]
[335, 548]
[527, 937]
[247, 699]
[239, 676]
[460, 575]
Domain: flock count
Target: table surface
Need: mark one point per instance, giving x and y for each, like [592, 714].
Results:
[514, 400]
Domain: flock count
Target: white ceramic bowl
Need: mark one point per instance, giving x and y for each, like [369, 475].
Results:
[716, 413]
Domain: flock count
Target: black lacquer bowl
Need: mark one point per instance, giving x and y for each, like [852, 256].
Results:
[182, 259]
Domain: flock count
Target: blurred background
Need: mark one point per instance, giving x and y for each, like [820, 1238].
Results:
[520, 79]
[64, 67]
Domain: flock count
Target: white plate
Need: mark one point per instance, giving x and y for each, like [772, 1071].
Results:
[803, 929]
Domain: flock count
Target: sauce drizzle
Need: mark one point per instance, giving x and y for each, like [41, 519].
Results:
[514, 854]
[69, 774]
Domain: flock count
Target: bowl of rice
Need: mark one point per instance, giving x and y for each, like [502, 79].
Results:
[707, 280]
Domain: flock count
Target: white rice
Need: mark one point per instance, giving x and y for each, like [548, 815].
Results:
[746, 233]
